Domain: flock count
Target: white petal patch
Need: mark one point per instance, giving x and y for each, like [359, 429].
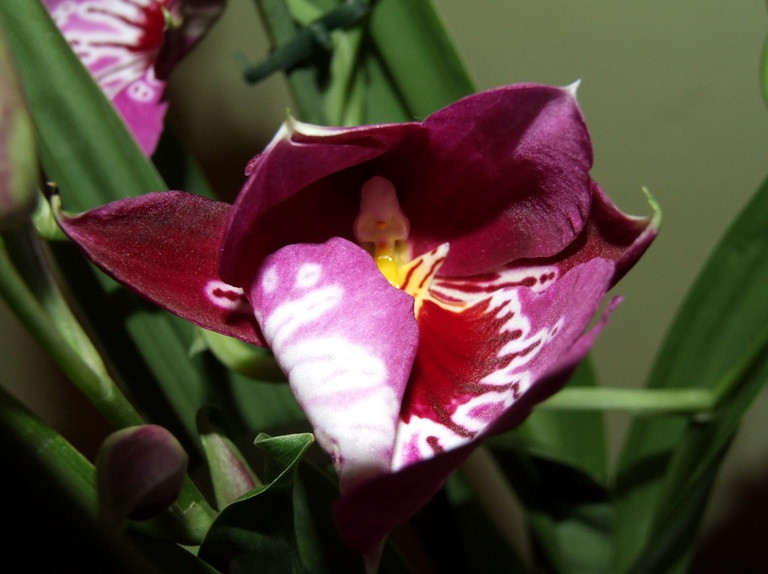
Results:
[423, 437]
[226, 296]
[343, 388]
[337, 346]
[107, 37]
[285, 319]
[308, 275]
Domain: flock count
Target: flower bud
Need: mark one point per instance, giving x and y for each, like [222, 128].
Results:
[140, 471]
[18, 158]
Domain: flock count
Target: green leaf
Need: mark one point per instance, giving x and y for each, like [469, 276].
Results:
[231, 475]
[418, 56]
[575, 439]
[256, 533]
[718, 341]
[570, 516]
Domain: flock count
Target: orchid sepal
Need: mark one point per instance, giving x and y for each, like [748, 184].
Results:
[165, 246]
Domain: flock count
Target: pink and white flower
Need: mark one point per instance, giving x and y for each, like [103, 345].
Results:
[422, 285]
[130, 46]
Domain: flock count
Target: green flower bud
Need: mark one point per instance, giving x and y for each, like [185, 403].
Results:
[18, 157]
[140, 471]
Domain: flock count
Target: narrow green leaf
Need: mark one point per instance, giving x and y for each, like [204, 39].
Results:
[84, 145]
[256, 533]
[718, 342]
[382, 102]
[418, 55]
[231, 475]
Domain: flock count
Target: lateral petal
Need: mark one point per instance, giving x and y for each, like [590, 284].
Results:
[509, 168]
[165, 246]
[441, 425]
[479, 354]
[608, 234]
[346, 340]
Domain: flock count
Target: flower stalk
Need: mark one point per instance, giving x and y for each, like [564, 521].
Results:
[45, 314]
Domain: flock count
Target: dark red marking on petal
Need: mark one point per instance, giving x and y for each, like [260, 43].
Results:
[428, 277]
[434, 444]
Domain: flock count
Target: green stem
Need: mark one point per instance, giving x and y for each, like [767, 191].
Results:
[499, 501]
[52, 323]
[71, 469]
[303, 82]
[58, 330]
[634, 401]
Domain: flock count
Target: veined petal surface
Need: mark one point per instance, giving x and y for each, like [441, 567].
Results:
[480, 369]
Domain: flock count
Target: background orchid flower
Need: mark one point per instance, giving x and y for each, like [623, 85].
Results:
[130, 47]
[422, 285]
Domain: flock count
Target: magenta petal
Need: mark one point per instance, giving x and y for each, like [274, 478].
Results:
[478, 357]
[165, 246]
[476, 372]
[346, 340]
[505, 176]
[290, 197]
[609, 234]
[118, 41]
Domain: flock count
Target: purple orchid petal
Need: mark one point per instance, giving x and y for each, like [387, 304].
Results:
[346, 340]
[125, 46]
[165, 246]
[477, 372]
[290, 198]
[484, 215]
[608, 234]
[118, 41]
[505, 176]
[501, 175]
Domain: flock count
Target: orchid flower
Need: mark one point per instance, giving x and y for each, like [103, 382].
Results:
[422, 285]
[130, 46]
